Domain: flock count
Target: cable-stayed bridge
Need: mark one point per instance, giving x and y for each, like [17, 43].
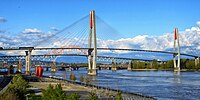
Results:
[83, 38]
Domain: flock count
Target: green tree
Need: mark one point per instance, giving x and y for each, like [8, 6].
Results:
[155, 64]
[53, 94]
[47, 94]
[18, 86]
[190, 64]
[87, 80]
[9, 95]
[59, 93]
[74, 96]
[72, 77]
[32, 96]
[92, 96]
[81, 79]
[119, 96]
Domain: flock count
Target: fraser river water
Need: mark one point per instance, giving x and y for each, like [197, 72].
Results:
[159, 84]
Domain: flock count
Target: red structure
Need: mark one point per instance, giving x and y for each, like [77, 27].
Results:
[39, 71]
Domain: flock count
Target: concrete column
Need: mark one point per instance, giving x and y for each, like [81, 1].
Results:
[53, 67]
[129, 66]
[28, 61]
[19, 66]
[174, 58]
[90, 50]
[95, 43]
[197, 62]
[179, 56]
[114, 66]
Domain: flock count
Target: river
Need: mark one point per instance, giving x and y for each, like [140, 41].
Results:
[159, 84]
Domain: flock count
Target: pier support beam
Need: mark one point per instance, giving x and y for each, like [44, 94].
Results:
[28, 61]
[53, 67]
[114, 66]
[19, 66]
[197, 62]
[129, 66]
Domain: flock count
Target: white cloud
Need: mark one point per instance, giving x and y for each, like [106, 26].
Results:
[2, 19]
[198, 23]
[189, 41]
[54, 28]
[31, 31]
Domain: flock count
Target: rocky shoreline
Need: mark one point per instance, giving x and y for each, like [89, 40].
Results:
[84, 89]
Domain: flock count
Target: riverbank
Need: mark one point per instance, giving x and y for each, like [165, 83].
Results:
[83, 89]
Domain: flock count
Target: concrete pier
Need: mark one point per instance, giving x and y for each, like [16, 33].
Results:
[197, 62]
[114, 66]
[28, 61]
[129, 66]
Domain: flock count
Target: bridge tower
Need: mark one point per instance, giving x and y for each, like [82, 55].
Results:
[197, 63]
[28, 61]
[176, 41]
[92, 37]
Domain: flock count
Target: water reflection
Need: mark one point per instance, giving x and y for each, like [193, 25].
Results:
[177, 75]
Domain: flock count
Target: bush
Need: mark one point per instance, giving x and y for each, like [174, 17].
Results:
[72, 77]
[87, 80]
[92, 96]
[9, 95]
[119, 96]
[51, 93]
[74, 96]
[18, 86]
[57, 93]
[81, 79]
[32, 96]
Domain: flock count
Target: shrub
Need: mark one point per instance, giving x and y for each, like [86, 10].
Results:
[18, 86]
[87, 80]
[81, 79]
[32, 96]
[72, 77]
[119, 96]
[55, 94]
[74, 96]
[92, 96]
[9, 95]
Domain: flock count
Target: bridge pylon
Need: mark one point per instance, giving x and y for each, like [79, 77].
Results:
[92, 38]
[176, 41]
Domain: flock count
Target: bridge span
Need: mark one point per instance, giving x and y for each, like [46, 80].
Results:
[117, 49]
[91, 50]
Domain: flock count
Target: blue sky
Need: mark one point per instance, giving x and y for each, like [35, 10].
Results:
[130, 17]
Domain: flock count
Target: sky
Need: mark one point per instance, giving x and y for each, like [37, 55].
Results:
[130, 17]
[147, 24]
